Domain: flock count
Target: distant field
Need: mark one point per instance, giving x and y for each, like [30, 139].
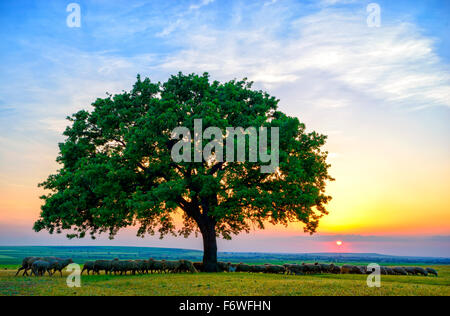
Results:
[14, 255]
[227, 284]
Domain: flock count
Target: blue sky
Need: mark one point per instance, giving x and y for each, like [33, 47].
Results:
[381, 94]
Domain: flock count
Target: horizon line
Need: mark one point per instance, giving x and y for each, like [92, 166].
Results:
[231, 252]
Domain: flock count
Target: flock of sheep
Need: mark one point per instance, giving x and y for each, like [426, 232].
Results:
[41, 265]
[138, 266]
[315, 268]
[352, 269]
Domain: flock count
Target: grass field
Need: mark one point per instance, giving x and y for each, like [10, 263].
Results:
[225, 284]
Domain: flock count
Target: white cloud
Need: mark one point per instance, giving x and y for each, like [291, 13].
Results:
[270, 2]
[76, 80]
[334, 2]
[201, 4]
[395, 64]
[183, 18]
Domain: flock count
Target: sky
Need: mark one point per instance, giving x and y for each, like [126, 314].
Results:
[381, 94]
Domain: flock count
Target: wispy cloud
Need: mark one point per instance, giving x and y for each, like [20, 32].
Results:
[335, 2]
[270, 2]
[395, 63]
[202, 3]
[182, 18]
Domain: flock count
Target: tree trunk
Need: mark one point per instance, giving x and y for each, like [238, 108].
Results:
[208, 231]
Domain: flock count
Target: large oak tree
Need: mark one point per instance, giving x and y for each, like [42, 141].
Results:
[117, 170]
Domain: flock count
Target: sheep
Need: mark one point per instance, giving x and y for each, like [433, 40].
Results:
[179, 266]
[141, 266]
[116, 266]
[48, 259]
[400, 271]
[311, 268]
[410, 270]
[156, 265]
[175, 266]
[102, 265]
[346, 269]
[33, 260]
[172, 266]
[25, 266]
[257, 268]
[232, 268]
[241, 267]
[296, 269]
[53, 265]
[61, 264]
[146, 266]
[198, 266]
[88, 266]
[326, 268]
[351, 269]
[416, 271]
[27, 263]
[287, 267]
[389, 271]
[432, 271]
[223, 266]
[39, 268]
[363, 269]
[53, 262]
[187, 266]
[383, 271]
[151, 265]
[119, 266]
[131, 266]
[274, 269]
[160, 266]
[421, 271]
[335, 269]
[124, 266]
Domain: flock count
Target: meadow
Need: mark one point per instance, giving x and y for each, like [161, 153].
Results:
[224, 284]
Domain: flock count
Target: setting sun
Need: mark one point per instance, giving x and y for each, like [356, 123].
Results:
[339, 243]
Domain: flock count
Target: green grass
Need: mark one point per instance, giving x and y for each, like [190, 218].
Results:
[225, 284]
[207, 284]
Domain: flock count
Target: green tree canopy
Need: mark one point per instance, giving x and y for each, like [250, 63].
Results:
[117, 171]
